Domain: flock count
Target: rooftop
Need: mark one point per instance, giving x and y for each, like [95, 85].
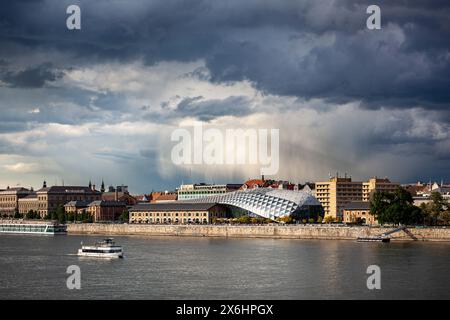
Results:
[103, 203]
[15, 190]
[68, 189]
[77, 203]
[30, 196]
[358, 205]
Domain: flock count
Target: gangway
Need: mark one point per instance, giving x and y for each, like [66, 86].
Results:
[383, 237]
[384, 234]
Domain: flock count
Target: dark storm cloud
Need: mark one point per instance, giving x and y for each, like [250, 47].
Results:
[206, 110]
[280, 46]
[34, 77]
[202, 109]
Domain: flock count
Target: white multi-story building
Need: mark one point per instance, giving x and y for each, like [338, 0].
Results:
[196, 191]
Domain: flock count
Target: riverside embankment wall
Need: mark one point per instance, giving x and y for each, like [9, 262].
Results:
[263, 231]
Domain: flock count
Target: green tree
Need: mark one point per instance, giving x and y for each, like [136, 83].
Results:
[379, 203]
[396, 208]
[31, 215]
[329, 219]
[53, 215]
[436, 206]
[285, 219]
[444, 217]
[245, 219]
[59, 214]
[17, 215]
[70, 216]
[433, 209]
[125, 216]
[85, 217]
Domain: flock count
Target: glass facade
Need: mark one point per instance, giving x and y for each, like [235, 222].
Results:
[270, 203]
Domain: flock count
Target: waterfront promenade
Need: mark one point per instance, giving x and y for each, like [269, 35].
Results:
[322, 232]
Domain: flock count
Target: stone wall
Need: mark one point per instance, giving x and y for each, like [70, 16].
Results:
[266, 231]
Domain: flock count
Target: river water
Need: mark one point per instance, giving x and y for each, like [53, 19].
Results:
[34, 267]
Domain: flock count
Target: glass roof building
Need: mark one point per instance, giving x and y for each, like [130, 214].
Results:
[270, 203]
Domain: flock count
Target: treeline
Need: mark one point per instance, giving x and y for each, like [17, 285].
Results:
[398, 208]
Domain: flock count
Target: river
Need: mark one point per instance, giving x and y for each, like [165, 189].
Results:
[34, 267]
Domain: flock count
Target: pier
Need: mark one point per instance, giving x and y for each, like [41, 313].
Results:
[383, 237]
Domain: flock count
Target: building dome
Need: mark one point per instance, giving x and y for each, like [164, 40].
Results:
[269, 203]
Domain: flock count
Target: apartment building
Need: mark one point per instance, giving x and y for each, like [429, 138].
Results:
[338, 192]
[196, 191]
[375, 184]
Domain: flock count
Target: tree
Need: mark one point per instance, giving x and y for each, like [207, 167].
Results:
[379, 203]
[17, 215]
[53, 215]
[285, 219]
[32, 215]
[432, 210]
[444, 217]
[70, 216]
[328, 219]
[396, 208]
[435, 207]
[85, 217]
[125, 216]
[59, 214]
[245, 219]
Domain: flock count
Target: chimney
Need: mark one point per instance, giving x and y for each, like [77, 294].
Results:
[93, 187]
[116, 195]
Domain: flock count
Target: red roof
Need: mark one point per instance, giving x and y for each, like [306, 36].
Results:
[160, 196]
[251, 183]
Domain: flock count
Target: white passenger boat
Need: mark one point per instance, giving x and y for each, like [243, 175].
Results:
[103, 249]
[32, 227]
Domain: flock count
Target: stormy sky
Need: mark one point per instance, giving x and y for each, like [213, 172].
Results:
[102, 102]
